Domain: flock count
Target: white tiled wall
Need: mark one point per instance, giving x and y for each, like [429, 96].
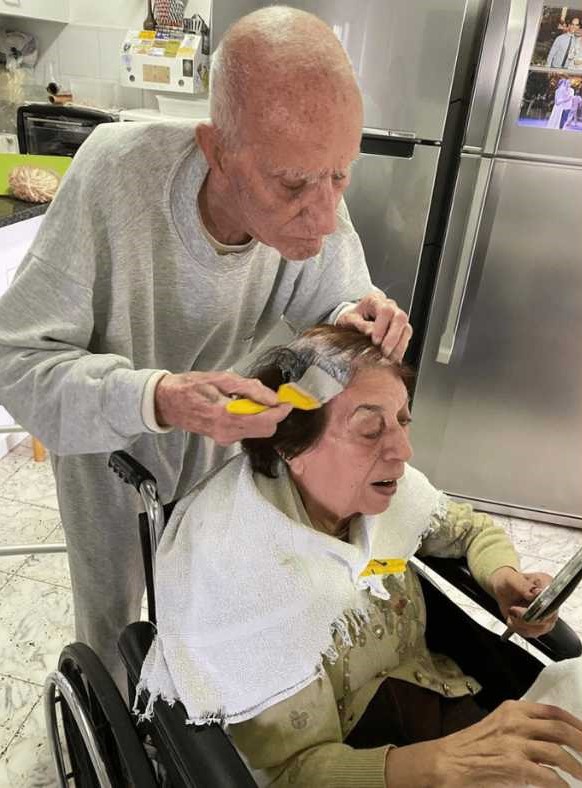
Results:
[89, 47]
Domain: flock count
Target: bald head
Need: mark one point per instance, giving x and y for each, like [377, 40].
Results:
[275, 70]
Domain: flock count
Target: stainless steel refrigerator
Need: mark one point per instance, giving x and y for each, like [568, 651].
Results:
[498, 406]
[471, 218]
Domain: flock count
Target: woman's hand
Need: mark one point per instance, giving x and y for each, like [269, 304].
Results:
[514, 592]
[513, 746]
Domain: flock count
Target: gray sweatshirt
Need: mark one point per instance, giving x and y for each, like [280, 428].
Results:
[121, 281]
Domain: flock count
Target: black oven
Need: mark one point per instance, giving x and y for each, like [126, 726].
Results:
[54, 130]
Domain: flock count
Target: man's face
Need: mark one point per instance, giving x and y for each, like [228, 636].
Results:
[288, 177]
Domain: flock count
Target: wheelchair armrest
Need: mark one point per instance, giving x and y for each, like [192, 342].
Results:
[561, 643]
[201, 756]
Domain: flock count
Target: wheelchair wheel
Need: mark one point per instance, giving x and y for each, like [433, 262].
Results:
[103, 747]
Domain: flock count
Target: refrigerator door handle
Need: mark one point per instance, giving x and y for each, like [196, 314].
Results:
[393, 134]
[512, 40]
[513, 37]
[449, 335]
[375, 132]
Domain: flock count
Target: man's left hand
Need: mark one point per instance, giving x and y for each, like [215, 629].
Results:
[383, 321]
[514, 592]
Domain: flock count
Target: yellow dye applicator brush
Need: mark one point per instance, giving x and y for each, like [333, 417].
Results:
[313, 389]
[311, 378]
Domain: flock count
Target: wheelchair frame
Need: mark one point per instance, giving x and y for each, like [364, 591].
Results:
[107, 747]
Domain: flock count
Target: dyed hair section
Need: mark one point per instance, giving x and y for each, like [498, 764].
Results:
[340, 351]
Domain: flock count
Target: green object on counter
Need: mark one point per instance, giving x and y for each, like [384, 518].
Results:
[8, 161]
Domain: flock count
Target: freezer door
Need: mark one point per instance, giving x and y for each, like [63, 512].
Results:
[388, 199]
[497, 414]
[404, 53]
[495, 63]
[513, 107]
[533, 125]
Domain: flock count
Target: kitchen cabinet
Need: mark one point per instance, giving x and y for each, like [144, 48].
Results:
[123, 15]
[51, 10]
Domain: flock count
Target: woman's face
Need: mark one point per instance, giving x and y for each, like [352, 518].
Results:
[355, 466]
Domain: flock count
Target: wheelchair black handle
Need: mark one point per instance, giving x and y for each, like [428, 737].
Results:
[129, 469]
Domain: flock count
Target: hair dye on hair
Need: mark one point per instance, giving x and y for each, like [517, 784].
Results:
[340, 351]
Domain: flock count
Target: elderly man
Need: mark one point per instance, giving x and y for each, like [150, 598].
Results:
[163, 260]
[561, 50]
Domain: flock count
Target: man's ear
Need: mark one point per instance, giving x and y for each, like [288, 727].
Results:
[208, 139]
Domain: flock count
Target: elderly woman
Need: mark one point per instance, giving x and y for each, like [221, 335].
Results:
[289, 612]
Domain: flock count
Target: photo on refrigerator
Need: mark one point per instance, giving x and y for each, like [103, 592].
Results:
[552, 100]
[559, 40]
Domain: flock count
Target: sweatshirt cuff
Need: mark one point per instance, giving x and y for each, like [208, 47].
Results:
[148, 403]
[122, 400]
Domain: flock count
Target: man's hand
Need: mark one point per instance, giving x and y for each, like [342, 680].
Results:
[383, 321]
[514, 592]
[514, 746]
[196, 402]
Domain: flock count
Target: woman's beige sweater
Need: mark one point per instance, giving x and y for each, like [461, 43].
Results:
[299, 741]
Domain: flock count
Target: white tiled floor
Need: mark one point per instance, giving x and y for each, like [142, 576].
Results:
[36, 608]
[35, 616]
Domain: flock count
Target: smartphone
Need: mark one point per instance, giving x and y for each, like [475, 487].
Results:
[558, 591]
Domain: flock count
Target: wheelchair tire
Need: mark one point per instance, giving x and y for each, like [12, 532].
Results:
[111, 726]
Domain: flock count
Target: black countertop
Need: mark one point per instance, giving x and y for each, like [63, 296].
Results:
[13, 210]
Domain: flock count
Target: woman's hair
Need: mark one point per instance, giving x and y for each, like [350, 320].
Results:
[340, 351]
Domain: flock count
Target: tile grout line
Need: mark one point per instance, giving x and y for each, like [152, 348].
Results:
[9, 577]
[28, 556]
[8, 499]
[29, 503]
[28, 560]
[17, 500]
[16, 576]
[46, 582]
[11, 474]
[24, 681]
[58, 527]
[5, 749]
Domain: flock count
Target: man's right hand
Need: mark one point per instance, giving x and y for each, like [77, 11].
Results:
[196, 402]
[513, 746]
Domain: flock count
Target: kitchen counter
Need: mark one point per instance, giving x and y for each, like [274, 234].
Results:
[13, 210]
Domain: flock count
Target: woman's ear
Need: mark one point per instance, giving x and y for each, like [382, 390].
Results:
[296, 465]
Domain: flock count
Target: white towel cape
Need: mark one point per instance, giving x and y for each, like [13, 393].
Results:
[249, 599]
[560, 684]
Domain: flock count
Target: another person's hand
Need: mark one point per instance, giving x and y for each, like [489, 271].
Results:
[513, 746]
[381, 319]
[196, 402]
[514, 592]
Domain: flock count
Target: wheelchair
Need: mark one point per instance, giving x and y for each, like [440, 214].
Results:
[97, 743]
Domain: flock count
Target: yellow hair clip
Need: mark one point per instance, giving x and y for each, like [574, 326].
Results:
[384, 566]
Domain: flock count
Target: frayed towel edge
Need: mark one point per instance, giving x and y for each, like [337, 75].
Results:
[347, 627]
